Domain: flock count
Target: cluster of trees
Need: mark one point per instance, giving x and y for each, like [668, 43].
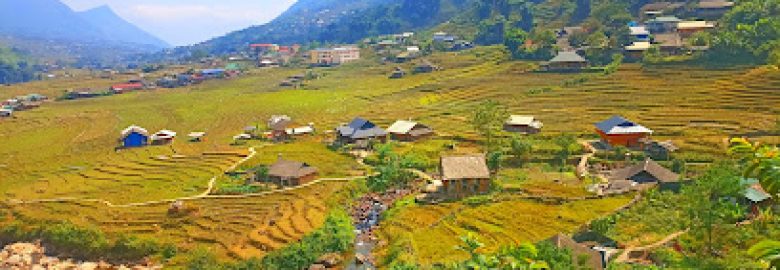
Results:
[86, 243]
[748, 33]
[488, 120]
[392, 169]
[13, 68]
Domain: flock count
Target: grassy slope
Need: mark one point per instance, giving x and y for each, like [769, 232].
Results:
[66, 148]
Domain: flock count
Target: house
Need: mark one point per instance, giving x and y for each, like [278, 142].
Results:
[443, 37]
[688, 28]
[126, 87]
[5, 112]
[713, 8]
[670, 43]
[287, 173]
[79, 94]
[35, 98]
[134, 136]
[464, 176]
[637, 49]
[298, 131]
[639, 33]
[647, 172]
[424, 66]
[595, 259]
[658, 149]
[360, 130]
[212, 73]
[163, 137]
[334, 56]
[461, 45]
[567, 61]
[664, 24]
[523, 124]
[196, 136]
[755, 196]
[618, 131]
[278, 126]
[408, 130]
[397, 73]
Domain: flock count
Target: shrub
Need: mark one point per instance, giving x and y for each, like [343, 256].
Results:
[336, 235]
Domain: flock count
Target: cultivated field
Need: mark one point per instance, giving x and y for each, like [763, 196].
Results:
[67, 149]
[429, 234]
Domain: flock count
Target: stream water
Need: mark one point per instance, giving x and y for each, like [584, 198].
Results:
[366, 215]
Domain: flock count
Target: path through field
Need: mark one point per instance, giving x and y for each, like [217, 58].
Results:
[625, 255]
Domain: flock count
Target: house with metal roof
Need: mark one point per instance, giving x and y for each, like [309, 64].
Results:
[360, 130]
[523, 124]
[619, 131]
[134, 136]
[403, 130]
[662, 24]
[645, 172]
[755, 195]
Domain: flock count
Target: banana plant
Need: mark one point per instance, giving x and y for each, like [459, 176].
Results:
[760, 161]
[767, 251]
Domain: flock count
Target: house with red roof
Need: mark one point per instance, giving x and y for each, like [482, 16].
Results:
[619, 131]
[126, 87]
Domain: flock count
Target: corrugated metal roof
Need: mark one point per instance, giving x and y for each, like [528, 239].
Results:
[620, 125]
[401, 127]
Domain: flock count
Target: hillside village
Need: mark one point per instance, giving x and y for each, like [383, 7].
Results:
[584, 145]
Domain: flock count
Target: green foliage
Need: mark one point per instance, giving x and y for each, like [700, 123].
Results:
[759, 161]
[392, 169]
[768, 251]
[750, 32]
[521, 149]
[13, 68]
[522, 256]
[202, 259]
[556, 258]
[336, 235]
[566, 145]
[708, 205]
[488, 120]
[84, 243]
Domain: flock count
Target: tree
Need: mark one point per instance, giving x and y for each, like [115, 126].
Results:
[494, 161]
[392, 170]
[620, 152]
[488, 120]
[520, 149]
[582, 12]
[768, 251]
[707, 203]
[565, 143]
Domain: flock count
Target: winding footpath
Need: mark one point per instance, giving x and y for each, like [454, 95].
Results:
[624, 257]
[206, 194]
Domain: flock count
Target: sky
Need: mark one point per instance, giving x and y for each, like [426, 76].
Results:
[185, 22]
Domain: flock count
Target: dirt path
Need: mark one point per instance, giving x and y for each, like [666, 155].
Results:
[206, 194]
[624, 256]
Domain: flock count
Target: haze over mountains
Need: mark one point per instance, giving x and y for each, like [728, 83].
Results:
[51, 19]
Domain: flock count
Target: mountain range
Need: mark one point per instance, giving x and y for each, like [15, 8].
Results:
[53, 20]
[340, 21]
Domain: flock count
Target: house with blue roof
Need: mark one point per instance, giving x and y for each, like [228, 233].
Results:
[360, 131]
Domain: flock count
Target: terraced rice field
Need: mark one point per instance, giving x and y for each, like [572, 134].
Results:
[149, 177]
[429, 234]
[232, 227]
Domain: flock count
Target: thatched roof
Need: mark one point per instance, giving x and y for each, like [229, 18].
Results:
[290, 169]
[464, 167]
